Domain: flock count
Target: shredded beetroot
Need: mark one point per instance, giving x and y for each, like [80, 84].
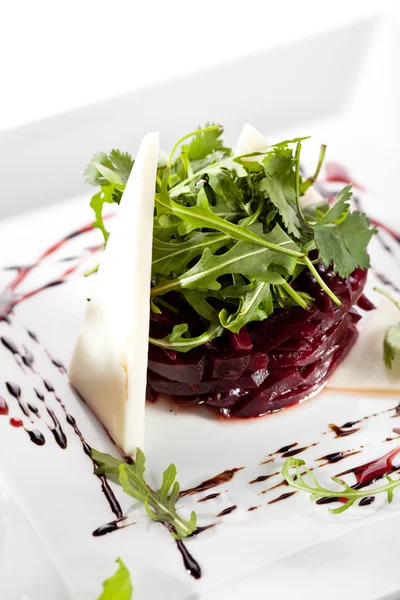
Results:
[268, 365]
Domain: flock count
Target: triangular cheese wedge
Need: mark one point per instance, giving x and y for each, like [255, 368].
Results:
[311, 197]
[364, 368]
[109, 363]
[250, 140]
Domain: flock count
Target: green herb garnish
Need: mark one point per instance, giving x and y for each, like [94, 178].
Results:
[160, 504]
[293, 472]
[391, 342]
[220, 218]
[119, 586]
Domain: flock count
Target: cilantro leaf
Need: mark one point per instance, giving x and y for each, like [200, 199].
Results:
[122, 163]
[113, 168]
[280, 185]
[92, 174]
[204, 143]
[160, 504]
[345, 245]
[119, 586]
[342, 237]
[339, 209]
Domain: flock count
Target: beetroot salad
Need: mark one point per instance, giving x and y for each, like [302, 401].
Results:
[255, 279]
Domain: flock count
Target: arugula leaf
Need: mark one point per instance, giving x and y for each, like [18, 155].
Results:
[255, 305]
[119, 586]
[174, 256]
[97, 202]
[231, 164]
[201, 215]
[280, 185]
[246, 259]
[198, 300]
[342, 238]
[176, 340]
[391, 342]
[229, 197]
[160, 504]
[293, 475]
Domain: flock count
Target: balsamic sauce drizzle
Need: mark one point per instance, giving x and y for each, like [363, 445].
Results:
[223, 477]
[282, 497]
[298, 450]
[343, 431]
[191, 565]
[56, 428]
[264, 477]
[335, 457]
[209, 497]
[227, 511]
[201, 529]
[366, 501]
[105, 486]
[111, 527]
[15, 391]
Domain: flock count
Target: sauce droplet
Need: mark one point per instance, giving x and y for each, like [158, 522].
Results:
[342, 431]
[227, 511]
[191, 565]
[210, 483]
[282, 497]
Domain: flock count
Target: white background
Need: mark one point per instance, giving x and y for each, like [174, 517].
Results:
[56, 56]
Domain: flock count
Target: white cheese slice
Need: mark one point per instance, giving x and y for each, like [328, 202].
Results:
[250, 140]
[109, 363]
[311, 197]
[364, 368]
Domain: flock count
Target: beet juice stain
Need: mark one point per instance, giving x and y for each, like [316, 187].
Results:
[10, 298]
[375, 469]
[3, 406]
